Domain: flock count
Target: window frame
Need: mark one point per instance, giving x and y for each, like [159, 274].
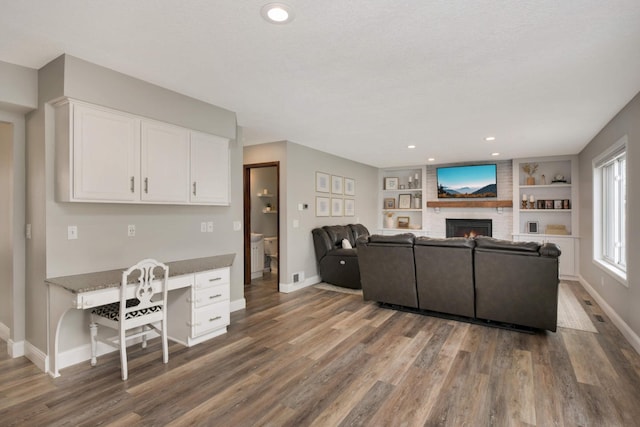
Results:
[610, 239]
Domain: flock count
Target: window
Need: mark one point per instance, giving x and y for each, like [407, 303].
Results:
[610, 209]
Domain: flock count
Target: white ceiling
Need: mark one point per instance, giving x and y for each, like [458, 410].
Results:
[363, 79]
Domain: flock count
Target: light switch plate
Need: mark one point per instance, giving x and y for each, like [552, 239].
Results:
[203, 227]
[131, 230]
[210, 227]
[237, 225]
[72, 232]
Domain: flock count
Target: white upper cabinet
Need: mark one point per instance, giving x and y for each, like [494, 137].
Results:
[105, 148]
[107, 156]
[209, 169]
[165, 163]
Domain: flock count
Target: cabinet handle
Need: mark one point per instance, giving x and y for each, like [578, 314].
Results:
[215, 296]
[194, 188]
[214, 279]
[133, 180]
[213, 319]
[146, 185]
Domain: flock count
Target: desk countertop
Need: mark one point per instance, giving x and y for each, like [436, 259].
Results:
[111, 279]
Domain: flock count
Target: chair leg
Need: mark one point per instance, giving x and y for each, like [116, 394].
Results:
[123, 354]
[165, 344]
[144, 336]
[93, 328]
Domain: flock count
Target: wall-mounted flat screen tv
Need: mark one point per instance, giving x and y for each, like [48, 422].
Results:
[467, 182]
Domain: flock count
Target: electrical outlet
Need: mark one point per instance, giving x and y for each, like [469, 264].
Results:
[237, 225]
[72, 232]
[210, 227]
[28, 231]
[131, 230]
[203, 227]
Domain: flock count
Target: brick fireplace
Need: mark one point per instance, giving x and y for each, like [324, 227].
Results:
[469, 227]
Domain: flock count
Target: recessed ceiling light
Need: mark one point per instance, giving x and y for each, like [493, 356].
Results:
[277, 13]
[431, 159]
[411, 146]
[490, 138]
[495, 154]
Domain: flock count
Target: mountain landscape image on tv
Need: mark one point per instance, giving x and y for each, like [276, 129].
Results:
[467, 182]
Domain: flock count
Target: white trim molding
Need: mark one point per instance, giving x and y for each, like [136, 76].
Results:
[4, 332]
[292, 287]
[14, 348]
[239, 304]
[619, 323]
[36, 356]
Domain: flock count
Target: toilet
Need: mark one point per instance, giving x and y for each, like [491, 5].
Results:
[271, 251]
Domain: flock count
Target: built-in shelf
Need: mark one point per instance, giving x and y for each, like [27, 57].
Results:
[562, 185]
[545, 210]
[264, 195]
[471, 204]
[269, 212]
[403, 210]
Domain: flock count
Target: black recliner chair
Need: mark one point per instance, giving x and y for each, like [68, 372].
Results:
[338, 265]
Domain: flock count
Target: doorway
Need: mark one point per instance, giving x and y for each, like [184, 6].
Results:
[262, 225]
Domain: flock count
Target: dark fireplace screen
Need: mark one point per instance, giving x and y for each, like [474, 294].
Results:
[468, 227]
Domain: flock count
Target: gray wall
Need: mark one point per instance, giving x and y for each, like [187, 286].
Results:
[162, 231]
[297, 185]
[624, 300]
[18, 95]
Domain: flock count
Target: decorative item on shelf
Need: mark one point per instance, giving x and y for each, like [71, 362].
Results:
[417, 200]
[416, 181]
[548, 204]
[410, 185]
[540, 204]
[389, 203]
[543, 180]
[403, 222]
[388, 219]
[264, 191]
[532, 226]
[532, 202]
[267, 208]
[566, 204]
[524, 202]
[404, 201]
[391, 183]
[559, 179]
[530, 169]
[402, 186]
[557, 204]
[557, 229]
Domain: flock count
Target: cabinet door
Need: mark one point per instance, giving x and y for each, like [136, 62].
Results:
[106, 155]
[165, 163]
[567, 257]
[209, 169]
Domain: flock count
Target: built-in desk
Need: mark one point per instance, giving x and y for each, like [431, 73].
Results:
[198, 306]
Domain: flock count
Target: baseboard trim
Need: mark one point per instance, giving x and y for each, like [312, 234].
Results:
[239, 304]
[619, 323]
[292, 287]
[15, 348]
[36, 356]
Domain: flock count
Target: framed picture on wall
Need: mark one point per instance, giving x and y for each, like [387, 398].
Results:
[532, 226]
[391, 183]
[337, 207]
[322, 182]
[349, 207]
[349, 187]
[403, 222]
[336, 184]
[322, 206]
[390, 203]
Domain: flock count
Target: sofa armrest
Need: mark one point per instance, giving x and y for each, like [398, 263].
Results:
[321, 243]
[550, 250]
[405, 239]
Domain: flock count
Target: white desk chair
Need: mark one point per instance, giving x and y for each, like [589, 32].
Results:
[145, 308]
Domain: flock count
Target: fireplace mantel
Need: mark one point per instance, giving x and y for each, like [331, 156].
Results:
[471, 204]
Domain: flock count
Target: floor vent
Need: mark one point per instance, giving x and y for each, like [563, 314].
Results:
[587, 302]
[600, 319]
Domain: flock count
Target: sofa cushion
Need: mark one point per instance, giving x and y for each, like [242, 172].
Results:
[357, 231]
[337, 233]
[454, 242]
[397, 239]
[483, 242]
[346, 244]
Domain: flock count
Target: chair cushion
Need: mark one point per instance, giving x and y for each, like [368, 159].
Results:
[112, 311]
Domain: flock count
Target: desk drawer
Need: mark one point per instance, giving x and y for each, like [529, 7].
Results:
[210, 317]
[212, 278]
[211, 295]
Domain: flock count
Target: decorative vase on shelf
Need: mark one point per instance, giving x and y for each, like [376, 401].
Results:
[389, 222]
[531, 180]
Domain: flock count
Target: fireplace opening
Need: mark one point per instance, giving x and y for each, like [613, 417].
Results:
[469, 227]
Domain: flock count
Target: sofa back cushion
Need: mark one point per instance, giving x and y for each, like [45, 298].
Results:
[357, 231]
[337, 233]
[524, 248]
[450, 242]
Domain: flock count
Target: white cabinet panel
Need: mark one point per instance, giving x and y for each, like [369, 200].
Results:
[106, 154]
[209, 169]
[165, 163]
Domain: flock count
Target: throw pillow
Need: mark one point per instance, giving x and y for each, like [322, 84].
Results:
[346, 244]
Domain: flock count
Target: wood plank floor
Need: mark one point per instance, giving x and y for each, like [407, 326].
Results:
[321, 358]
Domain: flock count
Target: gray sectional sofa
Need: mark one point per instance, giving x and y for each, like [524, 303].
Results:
[338, 265]
[483, 279]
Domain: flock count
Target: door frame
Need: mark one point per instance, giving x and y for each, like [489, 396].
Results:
[247, 215]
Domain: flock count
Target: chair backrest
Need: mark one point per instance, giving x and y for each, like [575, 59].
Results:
[144, 288]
